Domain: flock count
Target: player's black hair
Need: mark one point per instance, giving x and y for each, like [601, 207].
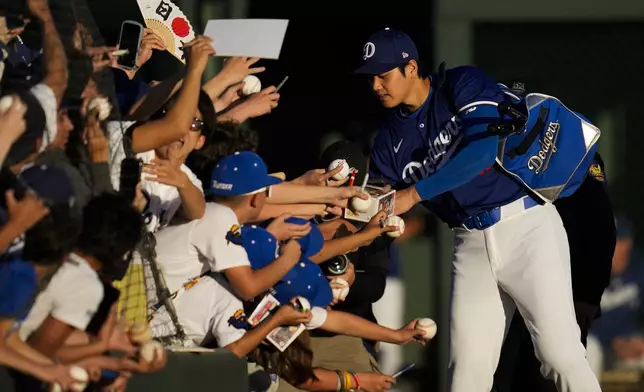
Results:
[225, 139]
[53, 237]
[112, 228]
[423, 70]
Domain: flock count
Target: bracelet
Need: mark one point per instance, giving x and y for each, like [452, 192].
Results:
[355, 378]
[340, 381]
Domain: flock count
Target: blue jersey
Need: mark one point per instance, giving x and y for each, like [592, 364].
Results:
[410, 147]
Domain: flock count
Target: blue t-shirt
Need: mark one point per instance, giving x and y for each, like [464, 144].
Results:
[409, 148]
[622, 305]
[18, 287]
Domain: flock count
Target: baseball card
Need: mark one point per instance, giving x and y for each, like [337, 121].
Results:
[381, 200]
[283, 336]
[262, 310]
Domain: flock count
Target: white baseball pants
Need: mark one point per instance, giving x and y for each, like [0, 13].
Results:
[522, 262]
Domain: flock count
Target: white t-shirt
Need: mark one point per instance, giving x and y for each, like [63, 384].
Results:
[164, 199]
[207, 309]
[47, 99]
[72, 297]
[187, 250]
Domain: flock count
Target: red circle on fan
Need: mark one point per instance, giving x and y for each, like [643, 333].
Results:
[180, 27]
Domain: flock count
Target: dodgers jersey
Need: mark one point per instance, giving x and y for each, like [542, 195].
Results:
[410, 147]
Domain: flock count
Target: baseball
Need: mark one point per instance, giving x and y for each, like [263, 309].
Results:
[429, 326]
[340, 293]
[151, 350]
[5, 103]
[302, 304]
[79, 374]
[342, 174]
[103, 105]
[360, 205]
[395, 220]
[252, 85]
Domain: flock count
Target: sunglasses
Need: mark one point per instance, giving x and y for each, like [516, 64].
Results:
[196, 126]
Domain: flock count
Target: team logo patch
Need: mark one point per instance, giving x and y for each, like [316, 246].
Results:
[596, 172]
[239, 320]
[234, 235]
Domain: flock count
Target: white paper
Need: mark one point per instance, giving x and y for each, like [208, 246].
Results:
[261, 38]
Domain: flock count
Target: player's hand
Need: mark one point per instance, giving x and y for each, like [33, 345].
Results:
[12, 122]
[321, 177]
[237, 68]
[283, 231]
[288, 315]
[166, 171]
[150, 42]
[230, 96]
[375, 382]
[198, 52]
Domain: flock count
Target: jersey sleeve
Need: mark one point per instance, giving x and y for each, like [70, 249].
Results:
[381, 162]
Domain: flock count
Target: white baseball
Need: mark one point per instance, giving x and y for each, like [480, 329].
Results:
[252, 85]
[360, 205]
[103, 105]
[304, 304]
[80, 375]
[340, 293]
[342, 174]
[151, 350]
[395, 220]
[429, 326]
[5, 103]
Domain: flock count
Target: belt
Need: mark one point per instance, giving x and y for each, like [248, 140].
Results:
[488, 218]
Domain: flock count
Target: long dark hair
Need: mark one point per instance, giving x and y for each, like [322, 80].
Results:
[294, 365]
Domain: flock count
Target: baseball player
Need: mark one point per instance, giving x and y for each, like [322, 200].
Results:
[489, 164]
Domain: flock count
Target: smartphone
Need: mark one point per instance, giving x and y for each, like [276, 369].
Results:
[130, 177]
[130, 40]
[404, 370]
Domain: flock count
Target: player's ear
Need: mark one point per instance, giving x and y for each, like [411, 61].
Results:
[411, 68]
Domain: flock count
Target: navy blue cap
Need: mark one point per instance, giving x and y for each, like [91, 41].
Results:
[50, 184]
[241, 173]
[312, 243]
[385, 50]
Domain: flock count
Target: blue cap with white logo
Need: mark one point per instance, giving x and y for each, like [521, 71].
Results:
[385, 50]
[242, 173]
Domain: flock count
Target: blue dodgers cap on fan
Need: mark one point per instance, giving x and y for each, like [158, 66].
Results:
[241, 173]
[311, 243]
[385, 50]
[50, 184]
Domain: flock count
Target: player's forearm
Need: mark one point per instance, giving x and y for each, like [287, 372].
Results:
[253, 338]
[56, 72]
[193, 203]
[352, 325]
[339, 246]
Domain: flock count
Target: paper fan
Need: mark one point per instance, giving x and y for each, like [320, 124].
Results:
[168, 22]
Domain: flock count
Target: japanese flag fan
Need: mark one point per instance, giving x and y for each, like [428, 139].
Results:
[168, 22]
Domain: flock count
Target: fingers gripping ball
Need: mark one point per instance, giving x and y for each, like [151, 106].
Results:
[5, 103]
[151, 350]
[340, 293]
[360, 205]
[77, 373]
[429, 326]
[395, 220]
[343, 173]
[302, 304]
[252, 85]
[102, 105]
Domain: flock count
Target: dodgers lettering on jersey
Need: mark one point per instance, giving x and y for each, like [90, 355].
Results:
[410, 147]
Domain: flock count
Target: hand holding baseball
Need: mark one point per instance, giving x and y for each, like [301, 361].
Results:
[237, 68]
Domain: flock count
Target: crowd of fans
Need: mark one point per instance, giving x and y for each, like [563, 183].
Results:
[159, 221]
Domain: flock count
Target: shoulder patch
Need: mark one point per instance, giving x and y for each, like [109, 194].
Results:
[234, 235]
[597, 173]
[239, 320]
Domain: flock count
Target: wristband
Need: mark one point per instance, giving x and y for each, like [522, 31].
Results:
[355, 379]
[340, 381]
